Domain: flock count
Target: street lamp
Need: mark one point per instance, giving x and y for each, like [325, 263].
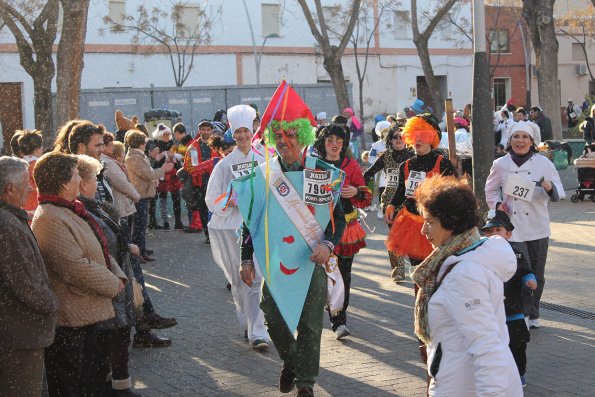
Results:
[258, 56]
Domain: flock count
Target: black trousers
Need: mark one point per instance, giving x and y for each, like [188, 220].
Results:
[345, 263]
[519, 337]
[78, 361]
[119, 359]
[203, 210]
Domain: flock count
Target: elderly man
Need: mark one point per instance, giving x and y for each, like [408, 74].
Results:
[27, 305]
[290, 231]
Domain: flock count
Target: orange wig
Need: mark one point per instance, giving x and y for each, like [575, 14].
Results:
[418, 129]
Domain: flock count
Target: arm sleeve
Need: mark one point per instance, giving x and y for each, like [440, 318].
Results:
[117, 180]
[215, 188]
[70, 264]
[472, 311]
[373, 170]
[557, 191]
[363, 198]
[399, 196]
[147, 173]
[493, 187]
[29, 287]
[246, 249]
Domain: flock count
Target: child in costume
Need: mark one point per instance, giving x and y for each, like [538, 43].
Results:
[500, 225]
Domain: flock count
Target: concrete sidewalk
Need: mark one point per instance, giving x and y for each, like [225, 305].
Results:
[210, 357]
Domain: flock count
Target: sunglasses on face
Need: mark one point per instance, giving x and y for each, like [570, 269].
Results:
[397, 138]
[288, 135]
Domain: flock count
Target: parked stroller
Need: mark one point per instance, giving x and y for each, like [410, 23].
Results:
[585, 167]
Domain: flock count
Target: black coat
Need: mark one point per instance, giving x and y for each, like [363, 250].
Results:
[513, 301]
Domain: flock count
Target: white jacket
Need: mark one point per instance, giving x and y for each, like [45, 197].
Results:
[531, 220]
[466, 317]
[376, 149]
[221, 177]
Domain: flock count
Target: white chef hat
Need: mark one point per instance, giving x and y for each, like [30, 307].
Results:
[241, 116]
[381, 125]
[526, 126]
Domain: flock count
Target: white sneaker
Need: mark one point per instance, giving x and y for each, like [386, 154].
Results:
[341, 332]
[372, 208]
[534, 323]
[380, 214]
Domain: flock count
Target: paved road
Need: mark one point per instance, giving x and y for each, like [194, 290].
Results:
[210, 357]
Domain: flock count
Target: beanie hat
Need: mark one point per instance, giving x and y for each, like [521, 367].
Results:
[161, 130]
[380, 126]
[241, 116]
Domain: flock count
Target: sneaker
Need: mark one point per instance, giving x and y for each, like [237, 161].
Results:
[534, 323]
[208, 241]
[155, 321]
[523, 381]
[341, 332]
[372, 208]
[286, 379]
[260, 345]
[380, 214]
[179, 226]
[165, 226]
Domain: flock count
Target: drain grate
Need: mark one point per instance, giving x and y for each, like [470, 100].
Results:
[568, 310]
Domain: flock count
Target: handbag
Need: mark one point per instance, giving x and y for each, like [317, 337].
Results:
[137, 292]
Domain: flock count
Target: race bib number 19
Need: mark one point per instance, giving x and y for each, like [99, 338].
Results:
[392, 177]
[520, 188]
[415, 179]
[317, 187]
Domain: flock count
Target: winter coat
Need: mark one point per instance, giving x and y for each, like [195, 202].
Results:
[28, 306]
[468, 354]
[78, 274]
[531, 220]
[589, 130]
[125, 195]
[142, 176]
[118, 245]
[513, 296]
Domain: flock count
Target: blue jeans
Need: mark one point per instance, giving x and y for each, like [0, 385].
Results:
[139, 227]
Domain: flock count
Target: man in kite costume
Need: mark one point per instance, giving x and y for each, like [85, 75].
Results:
[292, 221]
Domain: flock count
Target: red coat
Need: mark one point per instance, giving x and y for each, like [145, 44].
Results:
[355, 178]
[198, 172]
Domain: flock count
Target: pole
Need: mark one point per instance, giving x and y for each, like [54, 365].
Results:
[481, 125]
[450, 130]
[253, 42]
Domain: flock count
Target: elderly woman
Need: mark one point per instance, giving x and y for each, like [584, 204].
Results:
[521, 184]
[83, 276]
[106, 215]
[331, 145]
[144, 179]
[125, 195]
[459, 310]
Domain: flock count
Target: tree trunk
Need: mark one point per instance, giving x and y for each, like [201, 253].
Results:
[71, 51]
[42, 104]
[539, 17]
[433, 86]
[332, 64]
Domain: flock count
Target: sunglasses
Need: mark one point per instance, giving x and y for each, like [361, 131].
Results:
[288, 135]
[334, 140]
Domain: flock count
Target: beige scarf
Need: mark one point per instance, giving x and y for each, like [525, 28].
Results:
[425, 275]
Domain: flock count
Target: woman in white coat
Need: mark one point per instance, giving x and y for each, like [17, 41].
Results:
[459, 308]
[226, 220]
[521, 184]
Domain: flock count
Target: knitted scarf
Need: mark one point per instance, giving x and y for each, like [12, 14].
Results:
[79, 209]
[426, 273]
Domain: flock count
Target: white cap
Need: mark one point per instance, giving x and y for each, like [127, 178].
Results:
[241, 116]
[526, 126]
[381, 125]
[321, 116]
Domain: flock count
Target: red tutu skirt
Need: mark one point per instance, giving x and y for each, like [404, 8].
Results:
[405, 238]
[352, 240]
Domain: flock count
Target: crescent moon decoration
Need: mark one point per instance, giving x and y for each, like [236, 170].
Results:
[287, 271]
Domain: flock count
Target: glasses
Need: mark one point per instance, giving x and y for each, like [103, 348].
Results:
[335, 140]
[288, 135]
[397, 138]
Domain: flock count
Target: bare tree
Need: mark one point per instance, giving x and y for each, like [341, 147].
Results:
[580, 26]
[71, 51]
[332, 53]
[178, 32]
[34, 26]
[539, 16]
[421, 39]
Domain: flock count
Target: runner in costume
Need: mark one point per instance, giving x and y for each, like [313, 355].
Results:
[405, 238]
[331, 145]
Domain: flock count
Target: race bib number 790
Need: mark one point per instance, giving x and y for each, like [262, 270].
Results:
[317, 187]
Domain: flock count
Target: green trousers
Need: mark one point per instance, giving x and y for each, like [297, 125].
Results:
[303, 353]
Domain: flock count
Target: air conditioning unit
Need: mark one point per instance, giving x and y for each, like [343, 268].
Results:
[581, 70]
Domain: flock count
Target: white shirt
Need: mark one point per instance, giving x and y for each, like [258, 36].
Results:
[377, 148]
[221, 177]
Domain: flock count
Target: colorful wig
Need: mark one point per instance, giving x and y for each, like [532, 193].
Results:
[422, 127]
[306, 134]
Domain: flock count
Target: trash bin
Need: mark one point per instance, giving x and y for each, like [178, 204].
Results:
[164, 116]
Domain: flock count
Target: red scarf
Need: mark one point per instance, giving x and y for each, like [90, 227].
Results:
[78, 208]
